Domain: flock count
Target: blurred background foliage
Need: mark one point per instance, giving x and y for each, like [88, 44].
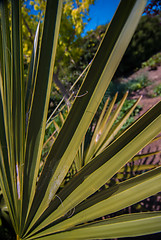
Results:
[76, 49]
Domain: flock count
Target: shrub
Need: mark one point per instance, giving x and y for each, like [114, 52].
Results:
[145, 43]
[153, 62]
[157, 90]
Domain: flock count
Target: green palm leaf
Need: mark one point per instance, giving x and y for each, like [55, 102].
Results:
[104, 166]
[130, 225]
[106, 62]
[38, 115]
[38, 207]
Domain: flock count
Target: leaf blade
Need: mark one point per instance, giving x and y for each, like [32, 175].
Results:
[124, 226]
[66, 148]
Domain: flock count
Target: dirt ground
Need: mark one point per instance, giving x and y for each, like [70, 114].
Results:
[147, 101]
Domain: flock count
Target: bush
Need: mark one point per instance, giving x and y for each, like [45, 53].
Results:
[138, 83]
[145, 43]
[157, 90]
[132, 85]
[153, 62]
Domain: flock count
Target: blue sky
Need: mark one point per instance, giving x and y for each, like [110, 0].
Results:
[101, 12]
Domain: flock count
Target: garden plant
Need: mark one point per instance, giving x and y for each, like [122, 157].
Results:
[39, 207]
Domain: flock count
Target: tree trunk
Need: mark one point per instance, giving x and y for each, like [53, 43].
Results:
[62, 89]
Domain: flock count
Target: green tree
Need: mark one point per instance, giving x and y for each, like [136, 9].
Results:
[145, 43]
[153, 7]
[72, 26]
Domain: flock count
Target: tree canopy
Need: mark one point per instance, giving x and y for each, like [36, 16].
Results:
[153, 7]
[74, 19]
